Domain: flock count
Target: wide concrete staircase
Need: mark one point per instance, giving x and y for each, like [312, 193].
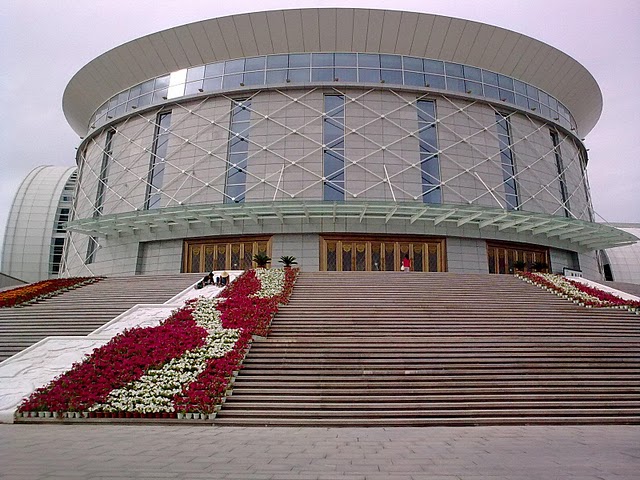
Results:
[391, 349]
[80, 311]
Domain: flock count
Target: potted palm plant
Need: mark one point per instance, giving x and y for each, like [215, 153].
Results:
[288, 260]
[261, 260]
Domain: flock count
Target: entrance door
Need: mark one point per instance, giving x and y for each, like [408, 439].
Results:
[502, 258]
[346, 254]
[223, 254]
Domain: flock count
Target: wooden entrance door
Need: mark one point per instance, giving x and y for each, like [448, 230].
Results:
[223, 254]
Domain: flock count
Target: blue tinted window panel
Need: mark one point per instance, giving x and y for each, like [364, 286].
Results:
[490, 78]
[159, 95]
[505, 82]
[254, 63]
[212, 84]
[472, 73]
[491, 92]
[322, 75]
[135, 92]
[391, 76]
[346, 60]
[254, 78]
[369, 60]
[455, 84]
[473, 88]
[507, 96]
[213, 70]
[346, 74]
[334, 105]
[391, 61]
[544, 110]
[413, 64]
[299, 75]
[413, 78]
[532, 92]
[453, 69]
[144, 100]
[233, 80]
[519, 87]
[368, 75]
[146, 87]
[193, 88]
[162, 82]
[522, 101]
[333, 130]
[297, 60]
[234, 66]
[434, 81]
[322, 60]
[431, 194]
[195, 73]
[276, 76]
[333, 192]
[433, 66]
[277, 61]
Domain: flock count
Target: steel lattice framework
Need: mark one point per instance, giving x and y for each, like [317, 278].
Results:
[282, 201]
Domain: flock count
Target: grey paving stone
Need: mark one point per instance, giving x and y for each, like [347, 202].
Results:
[31, 452]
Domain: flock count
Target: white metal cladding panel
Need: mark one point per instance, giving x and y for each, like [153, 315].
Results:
[129, 167]
[538, 185]
[373, 143]
[465, 147]
[284, 146]
[161, 257]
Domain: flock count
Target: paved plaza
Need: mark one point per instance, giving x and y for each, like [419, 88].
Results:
[30, 452]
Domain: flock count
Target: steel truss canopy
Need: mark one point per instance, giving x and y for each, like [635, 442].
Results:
[481, 222]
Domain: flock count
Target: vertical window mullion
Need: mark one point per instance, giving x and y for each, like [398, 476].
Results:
[333, 148]
[238, 151]
[428, 144]
[157, 164]
[507, 162]
[103, 174]
[560, 168]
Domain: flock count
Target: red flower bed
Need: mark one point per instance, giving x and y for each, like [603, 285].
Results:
[608, 298]
[252, 316]
[45, 288]
[121, 361]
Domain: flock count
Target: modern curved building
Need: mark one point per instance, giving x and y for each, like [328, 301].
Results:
[622, 264]
[35, 231]
[348, 138]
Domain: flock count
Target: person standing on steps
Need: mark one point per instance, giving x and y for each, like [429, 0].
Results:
[406, 263]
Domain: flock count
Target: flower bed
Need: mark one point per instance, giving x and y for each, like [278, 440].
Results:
[41, 290]
[579, 293]
[184, 365]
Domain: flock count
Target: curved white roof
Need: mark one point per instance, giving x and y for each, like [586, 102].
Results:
[334, 30]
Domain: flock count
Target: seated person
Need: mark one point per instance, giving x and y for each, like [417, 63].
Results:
[206, 280]
[224, 278]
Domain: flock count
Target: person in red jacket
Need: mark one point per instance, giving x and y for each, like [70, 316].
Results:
[406, 263]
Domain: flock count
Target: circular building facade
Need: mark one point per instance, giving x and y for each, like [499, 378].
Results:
[347, 138]
[35, 233]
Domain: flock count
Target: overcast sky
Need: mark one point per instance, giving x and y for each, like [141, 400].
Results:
[44, 43]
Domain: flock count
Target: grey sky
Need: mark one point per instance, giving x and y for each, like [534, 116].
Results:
[45, 43]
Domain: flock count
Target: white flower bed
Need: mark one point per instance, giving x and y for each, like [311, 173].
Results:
[272, 281]
[154, 392]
